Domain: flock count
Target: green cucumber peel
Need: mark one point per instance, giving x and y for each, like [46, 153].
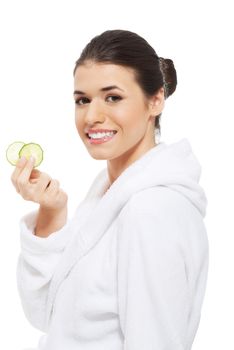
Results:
[19, 149]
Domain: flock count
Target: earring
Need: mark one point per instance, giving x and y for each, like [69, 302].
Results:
[157, 136]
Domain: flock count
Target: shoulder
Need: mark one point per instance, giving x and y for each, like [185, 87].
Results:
[162, 222]
[160, 213]
[157, 200]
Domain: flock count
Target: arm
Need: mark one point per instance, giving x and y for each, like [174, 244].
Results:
[37, 262]
[158, 272]
[49, 221]
[43, 236]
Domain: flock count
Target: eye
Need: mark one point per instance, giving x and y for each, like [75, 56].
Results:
[115, 98]
[79, 100]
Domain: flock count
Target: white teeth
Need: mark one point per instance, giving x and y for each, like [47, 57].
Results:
[100, 135]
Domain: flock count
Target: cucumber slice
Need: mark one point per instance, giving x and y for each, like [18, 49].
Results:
[12, 152]
[32, 149]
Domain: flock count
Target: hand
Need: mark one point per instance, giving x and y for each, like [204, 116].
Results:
[36, 186]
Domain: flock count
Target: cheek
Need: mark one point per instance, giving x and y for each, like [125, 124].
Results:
[125, 115]
[132, 117]
[78, 120]
[78, 125]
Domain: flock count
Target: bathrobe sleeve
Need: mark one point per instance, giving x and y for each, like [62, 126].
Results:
[36, 264]
[39, 256]
[154, 295]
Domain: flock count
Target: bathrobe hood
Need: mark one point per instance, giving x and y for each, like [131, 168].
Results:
[174, 166]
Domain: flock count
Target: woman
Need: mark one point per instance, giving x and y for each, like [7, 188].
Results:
[129, 270]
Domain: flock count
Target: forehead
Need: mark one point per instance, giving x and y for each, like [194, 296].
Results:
[92, 73]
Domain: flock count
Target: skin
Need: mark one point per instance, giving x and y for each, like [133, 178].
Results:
[132, 116]
[36, 186]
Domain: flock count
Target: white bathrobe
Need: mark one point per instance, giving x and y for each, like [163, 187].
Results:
[129, 270]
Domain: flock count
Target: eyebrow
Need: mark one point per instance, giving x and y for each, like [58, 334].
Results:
[106, 88]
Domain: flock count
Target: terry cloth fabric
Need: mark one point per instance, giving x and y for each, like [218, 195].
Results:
[129, 270]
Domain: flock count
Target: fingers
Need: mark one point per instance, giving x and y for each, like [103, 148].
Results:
[29, 182]
[23, 177]
[24, 167]
[18, 168]
[34, 190]
[43, 184]
[50, 194]
[37, 186]
[55, 195]
[35, 174]
[52, 187]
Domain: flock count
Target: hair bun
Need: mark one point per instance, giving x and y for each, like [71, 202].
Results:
[169, 75]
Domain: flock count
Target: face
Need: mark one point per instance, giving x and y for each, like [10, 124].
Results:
[107, 97]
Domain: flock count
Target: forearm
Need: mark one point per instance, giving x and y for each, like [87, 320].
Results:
[38, 260]
[49, 221]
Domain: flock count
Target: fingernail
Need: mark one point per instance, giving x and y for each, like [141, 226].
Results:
[21, 161]
[32, 159]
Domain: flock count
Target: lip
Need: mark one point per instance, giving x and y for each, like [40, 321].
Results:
[102, 140]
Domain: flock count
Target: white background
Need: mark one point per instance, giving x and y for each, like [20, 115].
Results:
[40, 42]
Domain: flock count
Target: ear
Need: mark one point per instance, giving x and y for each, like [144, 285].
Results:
[156, 103]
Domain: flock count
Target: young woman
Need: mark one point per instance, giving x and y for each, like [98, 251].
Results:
[129, 270]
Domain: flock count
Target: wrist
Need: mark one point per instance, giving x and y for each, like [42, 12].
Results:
[50, 220]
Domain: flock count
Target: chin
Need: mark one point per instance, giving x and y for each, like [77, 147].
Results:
[98, 155]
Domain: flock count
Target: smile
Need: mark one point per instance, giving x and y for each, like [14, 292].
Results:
[101, 137]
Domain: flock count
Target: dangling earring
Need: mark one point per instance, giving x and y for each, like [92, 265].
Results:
[157, 136]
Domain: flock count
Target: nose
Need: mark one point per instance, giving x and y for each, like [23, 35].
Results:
[94, 113]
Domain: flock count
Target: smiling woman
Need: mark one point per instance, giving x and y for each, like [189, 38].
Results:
[112, 66]
[129, 270]
[123, 110]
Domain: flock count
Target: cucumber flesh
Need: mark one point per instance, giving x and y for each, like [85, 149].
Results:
[32, 149]
[12, 152]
